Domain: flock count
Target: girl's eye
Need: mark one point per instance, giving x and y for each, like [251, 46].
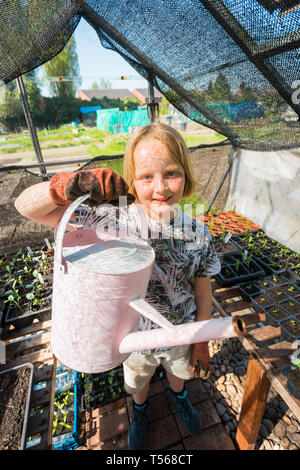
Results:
[171, 173]
[147, 177]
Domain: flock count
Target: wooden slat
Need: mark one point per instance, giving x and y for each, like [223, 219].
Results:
[256, 391]
[236, 306]
[36, 356]
[52, 398]
[41, 396]
[26, 344]
[33, 328]
[253, 318]
[38, 422]
[277, 351]
[275, 377]
[227, 294]
[43, 445]
[264, 333]
[43, 373]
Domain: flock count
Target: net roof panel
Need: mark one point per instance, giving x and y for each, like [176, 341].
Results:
[230, 65]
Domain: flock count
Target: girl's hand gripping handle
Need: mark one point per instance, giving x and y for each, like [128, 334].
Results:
[102, 184]
[200, 361]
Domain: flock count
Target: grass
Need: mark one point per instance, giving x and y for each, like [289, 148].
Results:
[64, 137]
[198, 207]
[192, 140]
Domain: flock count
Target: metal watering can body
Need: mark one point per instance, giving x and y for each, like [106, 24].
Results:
[96, 310]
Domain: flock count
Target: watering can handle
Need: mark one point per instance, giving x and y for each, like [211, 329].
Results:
[67, 215]
[63, 225]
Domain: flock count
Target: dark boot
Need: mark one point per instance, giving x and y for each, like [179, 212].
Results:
[189, 416]
[137, 433]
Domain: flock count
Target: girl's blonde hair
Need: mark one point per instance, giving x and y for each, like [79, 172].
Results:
[175, 145]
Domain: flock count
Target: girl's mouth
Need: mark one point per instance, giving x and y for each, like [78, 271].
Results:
[162, 201]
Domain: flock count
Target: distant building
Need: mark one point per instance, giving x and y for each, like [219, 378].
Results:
[142, 95]
[87, 95]
[89, 114]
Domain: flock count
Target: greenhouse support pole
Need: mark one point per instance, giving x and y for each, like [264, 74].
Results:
[231, 157]
[151, 106]
[28, 116]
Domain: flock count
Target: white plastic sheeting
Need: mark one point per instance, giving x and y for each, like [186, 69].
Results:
[264, 187]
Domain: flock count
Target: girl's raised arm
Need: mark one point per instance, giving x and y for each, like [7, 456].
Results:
[46, 202]
[35, 204]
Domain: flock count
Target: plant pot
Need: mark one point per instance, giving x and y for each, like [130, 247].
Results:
[277, 293]
[277, 313]
[291, 306]
[265, 284]
[222, 248]
[68, 438]
[261, 301]
[43, 311]
[226, 276]
[292, 276]
[247, 289]
[292, 327]
[19, 318]
[268, 267]
[291, 290]
[16, 388]
[293, 377]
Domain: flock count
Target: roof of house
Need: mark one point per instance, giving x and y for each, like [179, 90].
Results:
[144, 92]
[110, 93]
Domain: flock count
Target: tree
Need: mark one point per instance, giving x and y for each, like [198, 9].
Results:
[11, 111]
[105, 84]
[95, 86]
[221, 91]
[66, 66]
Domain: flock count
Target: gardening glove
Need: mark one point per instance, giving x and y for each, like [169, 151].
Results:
[102, 184]
[200, 361]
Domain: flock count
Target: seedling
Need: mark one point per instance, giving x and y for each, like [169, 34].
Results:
[35, 301]
[14, 296]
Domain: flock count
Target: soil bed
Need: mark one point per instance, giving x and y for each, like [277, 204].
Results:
[13, 396]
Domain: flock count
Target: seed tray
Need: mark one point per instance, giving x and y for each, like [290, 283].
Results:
[107, 392]
[30, 366]
[67, 379]
[244, 276]
[285, 305]
[263, 262]
[247, 289]
[295, 391]
[259, 306]
[28, 317]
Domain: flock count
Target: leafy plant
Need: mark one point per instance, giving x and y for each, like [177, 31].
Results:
[35, 301]
[237, 265]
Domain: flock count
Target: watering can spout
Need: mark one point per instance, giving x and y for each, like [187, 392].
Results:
[177, 335]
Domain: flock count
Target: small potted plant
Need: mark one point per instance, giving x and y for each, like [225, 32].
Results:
[293, 372]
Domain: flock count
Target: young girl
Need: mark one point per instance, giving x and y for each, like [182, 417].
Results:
[158, 173]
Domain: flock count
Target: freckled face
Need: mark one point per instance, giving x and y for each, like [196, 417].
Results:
[159, 180]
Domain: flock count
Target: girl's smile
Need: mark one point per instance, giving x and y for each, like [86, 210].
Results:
[159, 180]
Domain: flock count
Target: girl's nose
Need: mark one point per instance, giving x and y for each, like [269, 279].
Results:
[160, 184]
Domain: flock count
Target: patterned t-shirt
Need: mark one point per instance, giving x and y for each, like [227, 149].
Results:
[183, 250]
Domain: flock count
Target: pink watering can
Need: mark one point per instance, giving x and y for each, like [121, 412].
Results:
[100, 282]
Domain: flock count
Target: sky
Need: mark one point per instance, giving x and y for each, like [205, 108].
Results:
[95, 62]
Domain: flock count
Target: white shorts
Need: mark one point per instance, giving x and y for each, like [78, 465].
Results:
[139, 368]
